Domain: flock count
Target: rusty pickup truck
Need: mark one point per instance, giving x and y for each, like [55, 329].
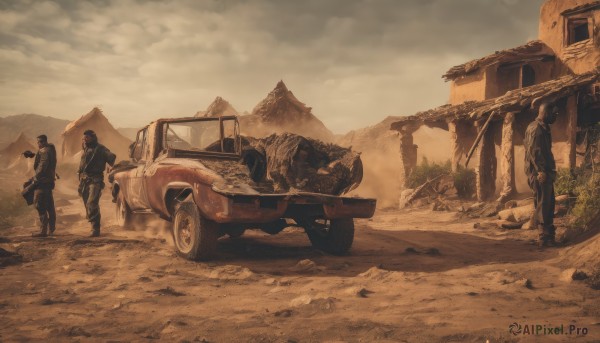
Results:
[193, 172]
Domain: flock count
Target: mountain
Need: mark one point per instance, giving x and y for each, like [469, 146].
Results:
[32, 125]
[282, 112]
[11, 156]
[129, 132]
[219, 107]
[107, 135]
[377, 136]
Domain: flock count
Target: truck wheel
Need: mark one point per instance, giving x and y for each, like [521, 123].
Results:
[123, 212]
[333, 236]
[195, 237]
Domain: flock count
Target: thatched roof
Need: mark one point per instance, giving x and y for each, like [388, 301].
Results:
[512, 101]
[534, 50]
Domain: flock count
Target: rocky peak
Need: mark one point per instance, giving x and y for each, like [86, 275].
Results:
[281, 111]
[16, 147]
[282, 107]
[95, 115]
[219, 107]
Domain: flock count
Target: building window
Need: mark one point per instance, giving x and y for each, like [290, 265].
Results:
[578, 30]
[527, 76]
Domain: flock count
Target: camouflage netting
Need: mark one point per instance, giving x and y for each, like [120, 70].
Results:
[296, 163]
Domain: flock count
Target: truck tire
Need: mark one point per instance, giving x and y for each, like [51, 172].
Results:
[333, 236]
[195, 237]
[123, 213]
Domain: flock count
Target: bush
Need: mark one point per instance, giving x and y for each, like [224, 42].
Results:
[587, 206]
[12, 208]
[464, 179]
[565, 183]
[427, 171]
[464, 182]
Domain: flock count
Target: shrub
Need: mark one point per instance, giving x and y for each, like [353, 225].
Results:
[464, 179]
[464, 182]
[565, 183]
[427, 171]
[587, 206]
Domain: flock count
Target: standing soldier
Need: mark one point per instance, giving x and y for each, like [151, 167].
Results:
[540, 168]
[93, 162]
[43, 181]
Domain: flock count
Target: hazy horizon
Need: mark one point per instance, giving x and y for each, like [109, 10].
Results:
[354, 62]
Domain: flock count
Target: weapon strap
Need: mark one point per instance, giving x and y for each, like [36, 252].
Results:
[91, 159]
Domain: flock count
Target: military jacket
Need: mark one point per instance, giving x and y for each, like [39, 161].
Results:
[94, 160]
[538, 150]
[45, 165]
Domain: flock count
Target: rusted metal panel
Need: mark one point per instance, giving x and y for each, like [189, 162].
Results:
[167, 172]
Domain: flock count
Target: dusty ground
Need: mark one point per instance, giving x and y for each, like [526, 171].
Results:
[456, 284]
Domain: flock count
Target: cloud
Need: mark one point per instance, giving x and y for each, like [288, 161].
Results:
[353, 61]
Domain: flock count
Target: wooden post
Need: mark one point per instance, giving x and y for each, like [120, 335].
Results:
[570, 151]
[486, 164]
[408, 153]
[507, 158]
[454, 145]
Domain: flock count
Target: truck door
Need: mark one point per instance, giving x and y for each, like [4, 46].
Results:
[137, 197]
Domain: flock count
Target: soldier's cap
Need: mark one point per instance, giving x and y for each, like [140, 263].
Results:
[89, 133]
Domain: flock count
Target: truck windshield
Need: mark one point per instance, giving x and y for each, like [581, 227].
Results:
[201, 136]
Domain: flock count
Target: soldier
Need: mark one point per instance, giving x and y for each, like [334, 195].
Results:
[540, 168]
[93, 162]
[43, 181]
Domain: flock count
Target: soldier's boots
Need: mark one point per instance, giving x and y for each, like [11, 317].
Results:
[547, 243]
[40, 234]
[95, 230]
[51, 231]
[547, 237]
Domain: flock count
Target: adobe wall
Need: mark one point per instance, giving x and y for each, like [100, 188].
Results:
[579, 57]
[468, 88]
[497, 86]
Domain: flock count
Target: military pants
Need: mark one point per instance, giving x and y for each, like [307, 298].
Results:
[543, 201]
[90, 193]
[44, 204]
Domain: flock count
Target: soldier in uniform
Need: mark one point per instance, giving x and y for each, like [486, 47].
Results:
[93, 162]
[540, 168]
[43, 181]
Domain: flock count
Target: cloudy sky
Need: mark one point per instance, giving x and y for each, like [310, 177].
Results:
[353, 61]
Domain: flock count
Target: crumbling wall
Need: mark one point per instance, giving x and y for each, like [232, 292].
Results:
[468, 88]
[579, 57]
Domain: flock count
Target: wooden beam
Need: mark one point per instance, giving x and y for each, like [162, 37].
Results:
[478, 139]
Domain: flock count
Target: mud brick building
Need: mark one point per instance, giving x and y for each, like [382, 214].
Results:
[494, 98]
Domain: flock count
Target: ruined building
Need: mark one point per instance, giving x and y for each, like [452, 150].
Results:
[561, 66]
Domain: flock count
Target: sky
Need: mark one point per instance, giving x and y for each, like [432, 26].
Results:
[354, 62]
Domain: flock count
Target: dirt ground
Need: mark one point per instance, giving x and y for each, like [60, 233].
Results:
[411, 276]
